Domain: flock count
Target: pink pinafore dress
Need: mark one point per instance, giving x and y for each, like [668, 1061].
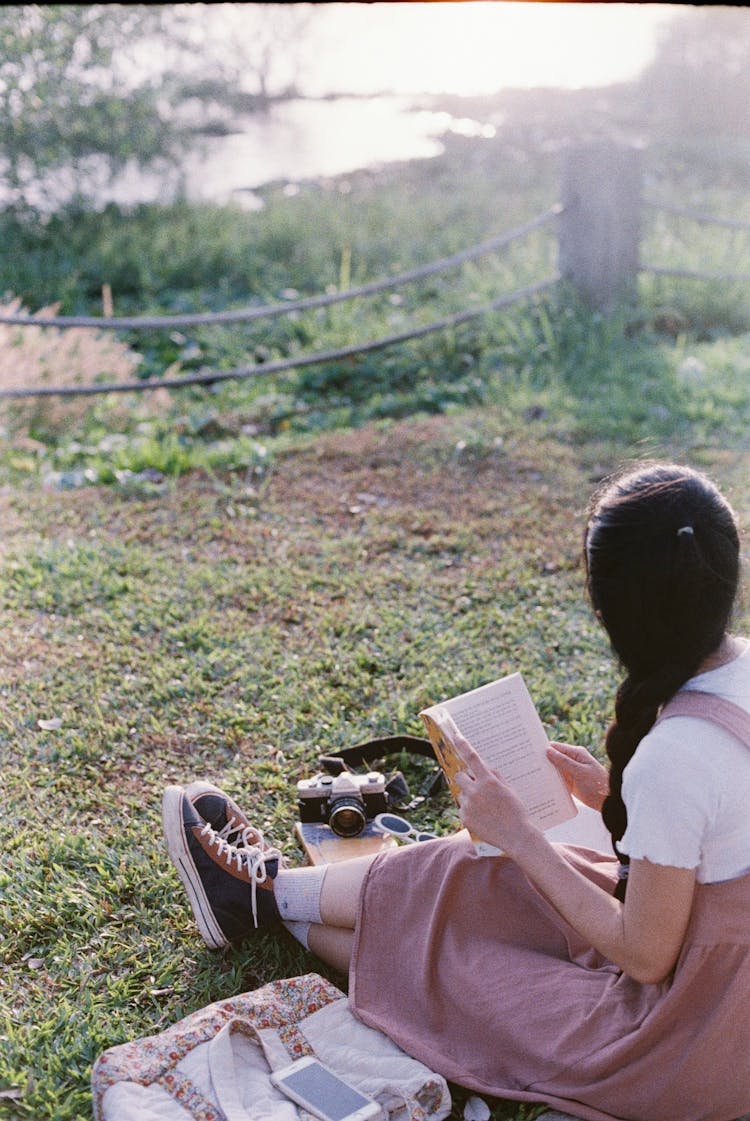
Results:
[464, 964]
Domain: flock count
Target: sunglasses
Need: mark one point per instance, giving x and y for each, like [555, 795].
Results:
[399, 827]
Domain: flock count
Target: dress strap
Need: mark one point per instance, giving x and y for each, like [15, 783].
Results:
[707, 706]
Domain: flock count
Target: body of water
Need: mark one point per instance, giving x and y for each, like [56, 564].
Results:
[295, 140]
[311, 139]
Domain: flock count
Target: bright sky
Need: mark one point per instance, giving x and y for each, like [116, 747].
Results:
[477, 46]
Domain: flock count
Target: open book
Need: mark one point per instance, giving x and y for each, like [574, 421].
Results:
[501, 723]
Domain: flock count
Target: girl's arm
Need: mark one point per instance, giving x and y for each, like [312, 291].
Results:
[643, 936]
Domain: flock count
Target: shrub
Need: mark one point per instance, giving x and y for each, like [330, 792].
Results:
[32, 357]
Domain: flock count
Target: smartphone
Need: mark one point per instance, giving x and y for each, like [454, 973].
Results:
[318, 1090]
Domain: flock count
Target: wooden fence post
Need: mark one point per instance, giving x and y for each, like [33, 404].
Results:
[600, 223]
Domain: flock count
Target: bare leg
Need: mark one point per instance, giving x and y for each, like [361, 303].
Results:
[332, 944]
[333, 939]
[340, 892]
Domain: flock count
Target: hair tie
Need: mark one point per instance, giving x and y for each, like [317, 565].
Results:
[685, 529]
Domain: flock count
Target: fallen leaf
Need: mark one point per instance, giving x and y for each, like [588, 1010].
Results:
[50, 725]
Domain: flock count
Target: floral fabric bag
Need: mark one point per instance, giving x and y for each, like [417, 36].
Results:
[215, 1064]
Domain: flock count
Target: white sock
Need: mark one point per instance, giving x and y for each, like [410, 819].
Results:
[297, 892]
[300, 931]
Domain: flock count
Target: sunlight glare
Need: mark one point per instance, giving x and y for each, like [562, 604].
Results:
[478, 46]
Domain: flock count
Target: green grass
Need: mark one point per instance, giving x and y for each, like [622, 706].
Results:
[212, 631]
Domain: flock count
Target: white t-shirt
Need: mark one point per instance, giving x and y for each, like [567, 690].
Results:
[687, 788]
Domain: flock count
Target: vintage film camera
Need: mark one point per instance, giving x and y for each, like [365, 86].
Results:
[345, 802]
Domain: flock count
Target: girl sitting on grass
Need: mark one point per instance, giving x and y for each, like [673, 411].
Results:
[607, 986]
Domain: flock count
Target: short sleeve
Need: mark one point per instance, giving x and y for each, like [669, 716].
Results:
[670, 794]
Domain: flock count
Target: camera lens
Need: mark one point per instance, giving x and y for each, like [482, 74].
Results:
[347, 817]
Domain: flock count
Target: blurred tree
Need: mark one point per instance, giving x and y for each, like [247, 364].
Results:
[84, 89]
[240, 56]
[699, 79]
[66, 96]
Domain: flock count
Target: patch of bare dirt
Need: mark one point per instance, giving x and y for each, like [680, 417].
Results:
[422, 465]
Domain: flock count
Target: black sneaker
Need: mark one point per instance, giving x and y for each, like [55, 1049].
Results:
[230, 888]
[224, 815]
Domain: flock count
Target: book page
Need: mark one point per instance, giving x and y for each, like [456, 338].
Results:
[503, 726]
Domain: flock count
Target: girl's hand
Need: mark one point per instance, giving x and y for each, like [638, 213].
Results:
[584, 775]
[488, 807]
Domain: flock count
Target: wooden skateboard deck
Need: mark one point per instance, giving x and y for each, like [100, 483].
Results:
[322, 846]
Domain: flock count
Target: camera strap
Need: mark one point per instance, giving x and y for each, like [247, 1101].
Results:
[336, 762]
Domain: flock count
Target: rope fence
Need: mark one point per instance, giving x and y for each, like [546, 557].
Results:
[697, 216]
[268, 311]
[601, 229]
[694, 274]
[702, 219]
[213, 376]
[598, 250]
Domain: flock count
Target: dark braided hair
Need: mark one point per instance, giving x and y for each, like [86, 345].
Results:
[662, 570]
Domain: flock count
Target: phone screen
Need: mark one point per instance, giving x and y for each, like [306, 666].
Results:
[325, 1092]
